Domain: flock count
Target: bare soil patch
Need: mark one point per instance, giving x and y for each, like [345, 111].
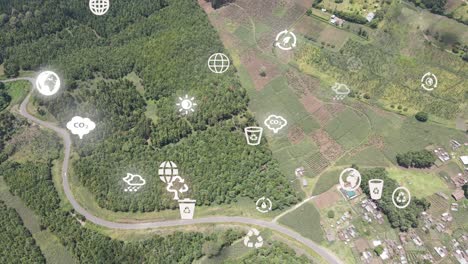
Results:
[361, 244]
[373, 141]
[206, 6]
[334, 36]
[305, 3]
[311, 103]
[327, 199]
[310, 27]
[322, 115]
[302, 84]
[255, 66]
[328, 147]
[296, 135]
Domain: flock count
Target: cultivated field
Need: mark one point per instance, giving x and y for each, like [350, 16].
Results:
[306, 221]
[323, 133]
[420, 183]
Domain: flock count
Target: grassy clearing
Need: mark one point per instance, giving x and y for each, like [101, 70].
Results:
[369, 157]
[327, 180]
[133, 77]
[18, 91]
[401, 134]
[236, 250]
[349, 128]
[151, 111]
[306, 221]
[420, 183]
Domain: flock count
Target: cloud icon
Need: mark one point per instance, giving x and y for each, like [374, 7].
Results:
[80, 126]
[341, 89]
[275, 123]
[134, 180]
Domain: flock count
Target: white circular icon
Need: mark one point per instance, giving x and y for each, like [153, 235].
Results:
[99, 7]
[352, 179]
[186, 105]
[258, 241]
[218, 63]
[264, 205]
[286, 40]
[401, 197]
[48, 83]
[429, 81]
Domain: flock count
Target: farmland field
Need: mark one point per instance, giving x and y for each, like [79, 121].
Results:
[420, 183]
[306, 221]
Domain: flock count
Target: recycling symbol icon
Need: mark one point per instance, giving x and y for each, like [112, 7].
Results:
[183, 189]
[253, 233]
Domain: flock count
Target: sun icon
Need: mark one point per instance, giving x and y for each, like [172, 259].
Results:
[186, 104]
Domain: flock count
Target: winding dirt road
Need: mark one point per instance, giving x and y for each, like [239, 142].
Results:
[323, 252]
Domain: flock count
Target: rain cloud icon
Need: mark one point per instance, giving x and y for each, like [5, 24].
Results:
[134, 182]
[341, 90]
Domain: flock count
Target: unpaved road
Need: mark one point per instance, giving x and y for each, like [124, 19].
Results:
[323, 252]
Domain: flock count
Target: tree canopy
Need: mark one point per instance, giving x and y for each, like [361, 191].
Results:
[166, 45]
[417, 159]
[398, 218]
[16, 242]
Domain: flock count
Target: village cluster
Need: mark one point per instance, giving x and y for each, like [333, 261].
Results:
[358, 223]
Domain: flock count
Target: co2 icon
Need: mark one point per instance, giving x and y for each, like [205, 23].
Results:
[81, 126]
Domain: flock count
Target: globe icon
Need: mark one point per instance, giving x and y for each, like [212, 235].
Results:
[219, 63]
[47, 83]
[167, 170]
[99, 7]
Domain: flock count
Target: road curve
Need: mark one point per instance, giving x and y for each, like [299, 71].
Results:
[323, 252]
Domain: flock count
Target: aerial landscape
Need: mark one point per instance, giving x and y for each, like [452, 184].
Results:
[234, 131]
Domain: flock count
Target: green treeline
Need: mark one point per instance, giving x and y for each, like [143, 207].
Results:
[33, 183]
[8, 125]
[4, 97]
[398, 218]
[275, 254]
[167, 44]
[416, 159]
[16, 242]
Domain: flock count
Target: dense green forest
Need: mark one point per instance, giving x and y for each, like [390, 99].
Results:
[167, 44]
[417, 159]
[398, 218]
[8, 125]
[33, 183]
[16, 242]
[4, 97]
[275, 254]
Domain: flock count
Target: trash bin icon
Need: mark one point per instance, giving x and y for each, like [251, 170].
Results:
[375, 188]
[187, 208]
[253, 135]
